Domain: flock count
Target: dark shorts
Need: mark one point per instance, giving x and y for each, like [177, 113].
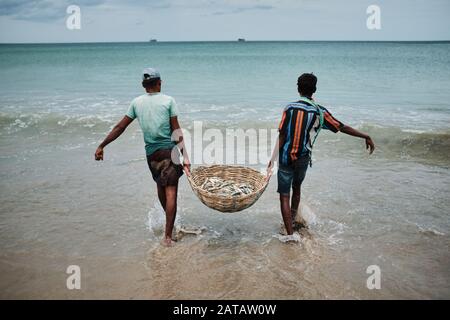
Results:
[292, 175]
[164, 171]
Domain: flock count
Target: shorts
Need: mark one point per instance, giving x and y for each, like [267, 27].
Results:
[292, 175]
[164, 171]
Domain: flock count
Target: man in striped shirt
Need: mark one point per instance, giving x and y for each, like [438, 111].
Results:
[300, 123]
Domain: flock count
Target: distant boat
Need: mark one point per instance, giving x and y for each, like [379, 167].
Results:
[241, 40]
[153, 40]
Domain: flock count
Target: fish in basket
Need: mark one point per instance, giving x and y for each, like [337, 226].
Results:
[227, 188]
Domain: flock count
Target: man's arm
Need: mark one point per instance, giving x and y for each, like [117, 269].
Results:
[178, 136]
[355, 133]
[118, 129]
[285, 118]
[276, 150]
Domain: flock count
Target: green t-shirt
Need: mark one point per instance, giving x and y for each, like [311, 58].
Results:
[153, 111]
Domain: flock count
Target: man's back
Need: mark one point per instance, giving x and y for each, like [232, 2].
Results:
[298, 126]
[153, 111]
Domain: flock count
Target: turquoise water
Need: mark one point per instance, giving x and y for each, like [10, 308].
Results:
[402, 84]
[59, 207]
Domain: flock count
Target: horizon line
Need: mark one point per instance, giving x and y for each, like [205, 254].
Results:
[225, 41]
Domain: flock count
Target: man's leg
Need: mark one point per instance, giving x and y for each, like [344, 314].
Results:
[286, 213]
[285, 176]
[299, 175]
[295, 201]
[171, 211]
[162, 196]
[298, 221]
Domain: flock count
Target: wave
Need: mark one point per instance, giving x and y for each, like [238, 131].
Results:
[404, 144]
[11, 124]
[391, 142]
[429, 231]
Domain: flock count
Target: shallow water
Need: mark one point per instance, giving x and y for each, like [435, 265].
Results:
[60, 208]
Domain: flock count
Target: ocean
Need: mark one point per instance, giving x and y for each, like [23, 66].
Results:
[60, 208]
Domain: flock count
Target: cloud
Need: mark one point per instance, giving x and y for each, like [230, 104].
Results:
[40, 10]
[51, 10]
[121, 20]
[242, 9]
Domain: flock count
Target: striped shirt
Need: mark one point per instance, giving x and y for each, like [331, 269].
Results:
[299, 124]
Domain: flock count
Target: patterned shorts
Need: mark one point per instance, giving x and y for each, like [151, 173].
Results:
[164, 171]
[292, 175]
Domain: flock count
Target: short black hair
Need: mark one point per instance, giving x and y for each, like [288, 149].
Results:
[150, 83]
[306, 84]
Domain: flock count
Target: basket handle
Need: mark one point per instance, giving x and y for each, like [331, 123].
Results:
[186, 171]
[269, 175]
[188, 176]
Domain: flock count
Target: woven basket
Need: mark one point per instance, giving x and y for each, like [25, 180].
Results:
[236, 174]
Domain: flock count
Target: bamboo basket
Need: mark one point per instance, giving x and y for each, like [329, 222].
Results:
[237, 174]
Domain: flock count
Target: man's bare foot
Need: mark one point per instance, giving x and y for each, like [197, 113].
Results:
[295, 237]
[299, 222]
[282, 230]
[167, 242]
[295, 225]
[299, 225]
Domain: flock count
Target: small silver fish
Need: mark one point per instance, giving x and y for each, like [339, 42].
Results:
[226, 188]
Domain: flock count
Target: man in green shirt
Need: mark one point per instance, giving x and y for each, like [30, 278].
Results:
[157, 114]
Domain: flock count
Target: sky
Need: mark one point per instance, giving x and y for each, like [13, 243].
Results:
[36, 21]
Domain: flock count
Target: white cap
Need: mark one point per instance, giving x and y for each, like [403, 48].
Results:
[150, 73]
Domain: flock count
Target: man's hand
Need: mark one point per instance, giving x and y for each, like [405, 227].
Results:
[118, 129]
[187, 166]
[269, 170]
[355, 133]
[99, 154]
[370, 145]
